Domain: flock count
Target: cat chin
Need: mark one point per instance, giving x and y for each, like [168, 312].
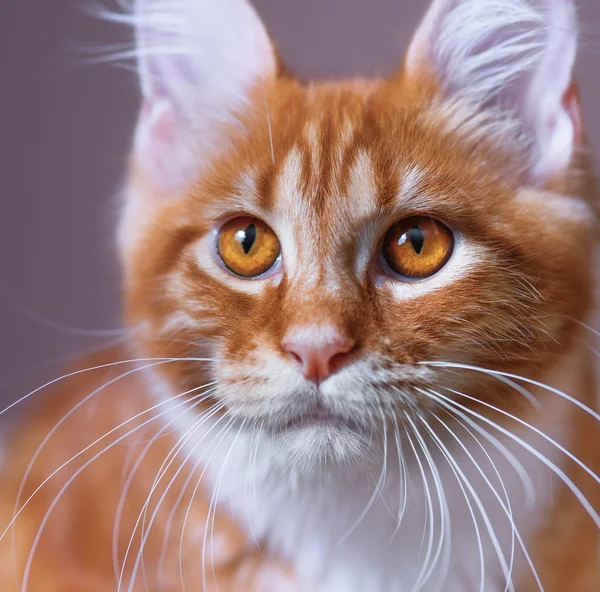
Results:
[310, 447]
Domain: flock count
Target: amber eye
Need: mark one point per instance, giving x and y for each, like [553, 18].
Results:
[248, 247]
[417, 247]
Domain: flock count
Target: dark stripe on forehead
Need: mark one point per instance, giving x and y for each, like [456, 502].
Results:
[323, 180]
[307, 173]
[265, 187]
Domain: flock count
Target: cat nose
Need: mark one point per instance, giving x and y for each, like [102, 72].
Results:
[320, 352]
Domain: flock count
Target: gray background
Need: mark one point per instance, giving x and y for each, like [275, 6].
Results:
[64, 134]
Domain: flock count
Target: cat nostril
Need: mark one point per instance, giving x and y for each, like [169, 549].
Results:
[295, 356]
[318, 353]
[339, 360]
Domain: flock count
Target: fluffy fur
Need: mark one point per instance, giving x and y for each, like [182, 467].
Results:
[461, 451]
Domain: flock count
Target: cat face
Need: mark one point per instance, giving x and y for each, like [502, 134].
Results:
[335, 239]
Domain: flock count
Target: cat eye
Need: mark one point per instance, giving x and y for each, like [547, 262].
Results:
[247, 246]
[417, 247]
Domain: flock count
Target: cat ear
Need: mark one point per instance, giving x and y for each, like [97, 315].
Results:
[198, 63]
[515, 56]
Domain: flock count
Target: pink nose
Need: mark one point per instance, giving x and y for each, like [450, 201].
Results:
[319, 351]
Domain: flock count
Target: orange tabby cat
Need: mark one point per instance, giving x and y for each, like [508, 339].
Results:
[359, 358]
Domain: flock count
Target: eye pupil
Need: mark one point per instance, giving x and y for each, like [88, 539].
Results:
[417, 239]
[247, 246]
[248, 238]
[417, 247]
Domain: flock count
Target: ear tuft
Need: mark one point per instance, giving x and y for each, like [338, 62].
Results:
[198, 63]
[511, 56]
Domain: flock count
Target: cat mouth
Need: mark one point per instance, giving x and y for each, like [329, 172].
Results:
[318, 417]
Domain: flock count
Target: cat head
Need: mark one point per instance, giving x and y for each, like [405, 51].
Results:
[322, 244]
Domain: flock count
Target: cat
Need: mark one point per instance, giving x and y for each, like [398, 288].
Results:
[359, 356]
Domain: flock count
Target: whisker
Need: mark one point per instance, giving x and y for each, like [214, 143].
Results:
[460, 477]
[213, 504]
[444, 521]
[553, 467]
[224, 430]
[532, 428]
[166, 464]
[524, 477]
[179, 445]
[497, 373]
[261, 431]
[123, 496]
[403, 480]
[99, 367]
[429, 516]
[376, 491]
[90, 446]
[506, 508]
[500, 480]
[177, 503]
[66, 416]
[70, 480]
[118, 514]
[211, 411]
[485, 517]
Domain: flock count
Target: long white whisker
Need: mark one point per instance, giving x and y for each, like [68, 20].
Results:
[444, 518]
[66, 416]
[524, 477]
[99, 367]
[84, 450]
[197, 401]
[223, 433]
[403, 480]
[213, 504]
[532, 428]
[460, 477]
[160, 474]
[429, 515]
[203, 398]
[500, 480]
[506, 508]
[123, 497]
[166, 464]
[555, 469]
[253, 458]
[251, 466]
[484, 516]
[497, 373]
[71, 479]
[202, 419]
[514, 462]
[376, 491]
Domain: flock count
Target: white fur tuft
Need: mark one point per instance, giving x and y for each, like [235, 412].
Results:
[197, 60]
[514, 56]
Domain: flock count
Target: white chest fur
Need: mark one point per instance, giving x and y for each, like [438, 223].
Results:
[342, 533]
